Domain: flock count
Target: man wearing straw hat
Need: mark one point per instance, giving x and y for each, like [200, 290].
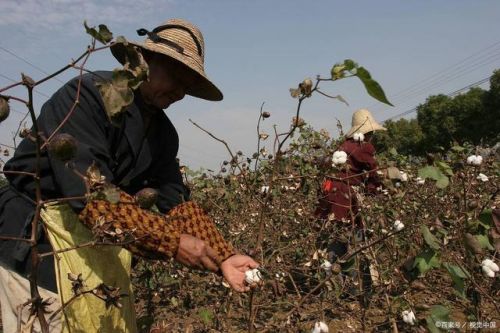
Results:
[338, 198]
[140, 152]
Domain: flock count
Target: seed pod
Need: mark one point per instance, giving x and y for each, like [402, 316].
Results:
[27, 81]
[63, 147]
[4, 109]
[24, 133]
[306, 87]
[146, 197]
[473, 204]
[336, 269]
[472, 244]
[223, 170]
[266, 114]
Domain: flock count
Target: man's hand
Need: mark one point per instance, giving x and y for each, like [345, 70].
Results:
[193, 252]
[234, 269]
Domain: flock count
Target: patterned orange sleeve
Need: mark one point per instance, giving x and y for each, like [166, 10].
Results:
[189, 218]
[157, 235]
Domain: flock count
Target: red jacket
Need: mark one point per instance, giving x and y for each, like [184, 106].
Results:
[337, 196]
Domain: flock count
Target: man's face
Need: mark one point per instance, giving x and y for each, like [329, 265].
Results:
[167, 82]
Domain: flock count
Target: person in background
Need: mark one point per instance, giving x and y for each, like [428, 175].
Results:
[339, 196]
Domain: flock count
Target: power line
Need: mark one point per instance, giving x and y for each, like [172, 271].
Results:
[452, 76]
[27, 62]
[453, 93]
[452, 72]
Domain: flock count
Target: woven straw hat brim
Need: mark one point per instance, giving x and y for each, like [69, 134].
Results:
[365, 128]
[203, 88]
[363, 122]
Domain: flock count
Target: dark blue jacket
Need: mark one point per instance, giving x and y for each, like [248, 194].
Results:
[127, 154]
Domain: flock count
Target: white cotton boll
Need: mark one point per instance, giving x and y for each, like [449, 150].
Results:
[326, 265]
[358, 136]
[482, 177]
[264, 189]
[398, 225]
[339, 157]
[409, 317]
[488, 271]
[420, 181]
[475, 160]
[491, 264]
[494, 267]
[253, 276]
[403, 176]
[320, 327]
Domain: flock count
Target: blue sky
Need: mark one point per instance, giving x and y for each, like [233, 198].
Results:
[257, 50]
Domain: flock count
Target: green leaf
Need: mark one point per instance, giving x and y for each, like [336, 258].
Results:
[457, 148]
[429, 238]
[103, 35]
[445, 168]
[426, 260]
[458, 275]
[484, 241]
[337, 71]
[429, 172]
[439, 314]
[116, 94]
[486, 217]
[349, 64]
[206, 316]
[435, 173]
[372, 87]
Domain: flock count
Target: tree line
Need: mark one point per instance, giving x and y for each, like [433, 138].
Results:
[472, 117]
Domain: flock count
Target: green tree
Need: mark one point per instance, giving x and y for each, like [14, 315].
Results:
[403, 135]
[437, 122]
[491, 108]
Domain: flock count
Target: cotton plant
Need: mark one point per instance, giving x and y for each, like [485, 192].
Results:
[489, 268]
[398, 225]
[326, 266]
[320, 327]
[475, 160]
[403, 176]
[482, 177]
[253, 276]
[339, 157]
[409, 317]
[358, 137]
[420, 181]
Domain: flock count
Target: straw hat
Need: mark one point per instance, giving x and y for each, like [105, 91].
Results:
[363, 122]
[182, 41]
